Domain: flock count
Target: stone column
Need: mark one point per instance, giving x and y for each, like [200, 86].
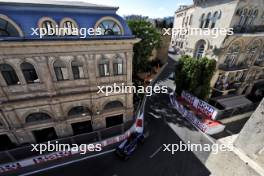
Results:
[63, 130]
[91, 65]
[129, 68]
[98, 122]
[45, 74]
[251, 138]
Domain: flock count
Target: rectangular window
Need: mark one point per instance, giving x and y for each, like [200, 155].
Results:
[30, 76]
[81, 72]
[104, 70]
[118, 69]
[77, 72]
[65, 73]
[58, 73]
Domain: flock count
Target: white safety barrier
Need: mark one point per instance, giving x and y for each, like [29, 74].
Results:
[208, 126]
[200, 105]
[61, 154]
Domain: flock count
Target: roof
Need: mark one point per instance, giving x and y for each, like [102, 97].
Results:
[26, 14]
[183, 8]
[56, 3]
[234, 102]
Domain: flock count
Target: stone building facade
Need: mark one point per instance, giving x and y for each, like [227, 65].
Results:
[239, 56]
[48, 86]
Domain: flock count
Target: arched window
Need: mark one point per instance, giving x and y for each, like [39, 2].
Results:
[70, 26]
[208, 19]
[187, 21]
[48, 24]
[260, 59]
[239, 76]
[244, 17]
[118, 66]
[252, 17]
[110, 27]
[215, 17]
[202, 19]
[183, 21]
[60, 70]
[200, 47]
[251, 52]
[104, 67]
[255, 13]
[7, 29]
[190, 20]
[232, 55]
[77, 69]
[29, 72]
[9, 74]
[37, 117]
[113, 105]
[79, 111]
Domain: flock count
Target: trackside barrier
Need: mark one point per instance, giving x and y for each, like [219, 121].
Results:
[205, 125]
[200, 105]
[58, 155]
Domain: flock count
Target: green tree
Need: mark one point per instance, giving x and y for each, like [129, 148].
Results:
[150, 39]
[194, 75]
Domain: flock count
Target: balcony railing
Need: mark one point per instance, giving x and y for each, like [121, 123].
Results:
[228, 86]
[226, 67]
[261, 77]
[248, 29]
[259, 63]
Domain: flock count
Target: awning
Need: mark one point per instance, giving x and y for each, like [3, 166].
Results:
[233, 102]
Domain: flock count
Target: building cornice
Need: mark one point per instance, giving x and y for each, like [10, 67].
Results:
[7, 44]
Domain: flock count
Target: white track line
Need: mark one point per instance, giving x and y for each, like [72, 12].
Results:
[67, 163]
[156, 152]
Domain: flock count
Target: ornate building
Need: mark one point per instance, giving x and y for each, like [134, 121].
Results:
[240, 57]
[49, 85]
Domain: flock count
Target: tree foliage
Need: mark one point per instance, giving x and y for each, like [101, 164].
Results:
[194, 75]
[150, 39]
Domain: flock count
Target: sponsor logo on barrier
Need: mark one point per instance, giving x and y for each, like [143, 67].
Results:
[53, 156]
[206, 109]
[188, 115]
[203, 107]
[10, 167]
[56, 155]
[188, 97]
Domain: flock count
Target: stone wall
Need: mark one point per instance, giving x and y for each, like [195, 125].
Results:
[56, 98]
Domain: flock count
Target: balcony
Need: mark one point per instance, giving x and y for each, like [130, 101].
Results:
[248, 29]
[226, 67]
[259, 63]
[261, 77]
[228, 86]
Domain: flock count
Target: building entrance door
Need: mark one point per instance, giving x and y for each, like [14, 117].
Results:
[114, 120]
[5, 143]
[47, 134]
[82, 127]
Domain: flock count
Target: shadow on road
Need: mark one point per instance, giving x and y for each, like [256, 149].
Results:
[159, 106]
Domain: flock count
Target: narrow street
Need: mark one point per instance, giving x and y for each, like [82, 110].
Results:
[149, 159]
